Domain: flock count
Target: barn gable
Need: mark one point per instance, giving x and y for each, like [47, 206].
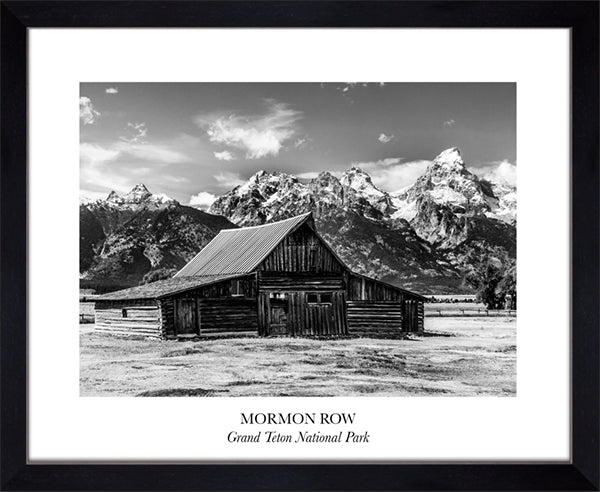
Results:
[302, 250]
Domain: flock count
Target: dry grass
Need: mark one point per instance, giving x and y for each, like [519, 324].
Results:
[479, 359]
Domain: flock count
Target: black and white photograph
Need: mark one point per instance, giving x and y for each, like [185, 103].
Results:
[298, 239]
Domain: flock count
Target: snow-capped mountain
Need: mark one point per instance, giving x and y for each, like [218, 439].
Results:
[127, 238]
[448, 183]
[425, 237]
[137, 197]
[361, 182]
[507, 202]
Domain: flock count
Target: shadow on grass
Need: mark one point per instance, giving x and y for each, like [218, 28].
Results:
[183, 351]
[182, 392]
[246, 383]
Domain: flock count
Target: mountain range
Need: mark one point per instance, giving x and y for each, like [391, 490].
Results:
[139, 237]
[426, 237]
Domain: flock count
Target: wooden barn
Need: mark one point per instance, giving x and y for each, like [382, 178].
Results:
[275, 279]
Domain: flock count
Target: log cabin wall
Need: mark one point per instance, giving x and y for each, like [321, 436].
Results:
[286, 281]
[167, 315]
[129, 317]
[413, 316]
[371, 318]
[244, 287]
[375, 308]
[364, 289]
[227, 315]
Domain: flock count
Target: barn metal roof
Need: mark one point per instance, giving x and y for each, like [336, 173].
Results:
[240, 250]
[161, 288]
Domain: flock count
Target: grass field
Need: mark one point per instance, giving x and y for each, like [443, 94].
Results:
[477, 356]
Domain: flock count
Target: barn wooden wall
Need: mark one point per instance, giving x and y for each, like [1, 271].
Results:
[223, 289]
[363, 289]
[381, 306]
[218, 311]
[413, 316]
[227, 315]
[286, 281]
[301, 251]
[167, 317]
[143, 318]
[372, 318]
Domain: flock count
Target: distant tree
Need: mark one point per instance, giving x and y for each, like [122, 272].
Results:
[507, 288]
[494, 277]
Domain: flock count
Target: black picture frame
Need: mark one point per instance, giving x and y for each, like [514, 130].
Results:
[580, 16]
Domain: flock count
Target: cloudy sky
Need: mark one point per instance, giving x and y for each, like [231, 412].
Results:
[197, 141]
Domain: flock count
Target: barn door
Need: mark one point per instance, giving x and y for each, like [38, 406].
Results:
[278, 319]
[186, 317]
[321, 319]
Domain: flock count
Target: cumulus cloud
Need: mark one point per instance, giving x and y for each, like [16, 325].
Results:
[112, 90]
[87, 114]
[385, 137]
[228, 180]
[258, 135]
[392, 174]
[224, 156]
[135, 133]
[202, 200]
[449, 123]
[502, 172]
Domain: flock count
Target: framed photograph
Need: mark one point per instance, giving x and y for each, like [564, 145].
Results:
[299, 245]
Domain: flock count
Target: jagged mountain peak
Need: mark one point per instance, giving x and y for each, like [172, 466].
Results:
[356, 175]
[137, 197]
[325, 177]
[264, 183]
[138, 193]
[263, 175]
[360, 180]
[448, 161]
[448, 182]
[139, 188]
[113, 196]
[356, 170]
